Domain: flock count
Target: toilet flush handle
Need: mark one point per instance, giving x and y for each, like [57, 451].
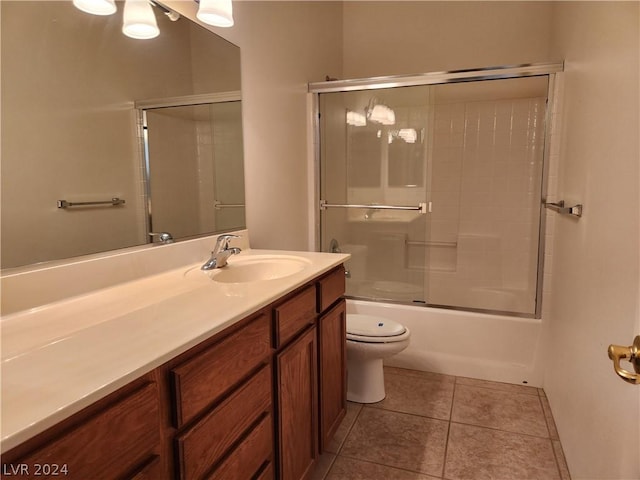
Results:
[632, 354]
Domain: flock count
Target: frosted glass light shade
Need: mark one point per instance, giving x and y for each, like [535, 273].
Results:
[96, 7]
[218, 13]
[139, 21]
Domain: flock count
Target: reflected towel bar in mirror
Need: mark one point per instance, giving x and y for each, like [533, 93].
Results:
[218, 205]
[115, 201]
[559, 207]
[422, 206]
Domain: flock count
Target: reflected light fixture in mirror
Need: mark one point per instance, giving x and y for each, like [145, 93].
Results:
[379, 113]
[96, 7]
[139, 21]
[382, 114]
[218, 13]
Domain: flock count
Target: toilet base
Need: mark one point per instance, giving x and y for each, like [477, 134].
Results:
[365, 380]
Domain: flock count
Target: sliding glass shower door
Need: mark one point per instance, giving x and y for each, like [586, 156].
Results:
[435, 190]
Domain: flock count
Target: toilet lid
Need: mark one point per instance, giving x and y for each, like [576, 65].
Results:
[370, 326]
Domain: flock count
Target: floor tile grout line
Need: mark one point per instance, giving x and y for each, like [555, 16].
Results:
[555, 456]
[564, 460]
[446, 449]
[390, 466]
[364, 405]
[494, 429]
[544, 414]
[508, 392]
[387, 409]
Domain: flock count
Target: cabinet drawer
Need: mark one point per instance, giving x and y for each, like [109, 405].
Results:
[204, 444]
[201, 380]
[248, 458]
[294, 315]
[111, 443]
[330, 288]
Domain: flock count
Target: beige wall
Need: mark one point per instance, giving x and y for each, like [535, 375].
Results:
[595, 289]
[389, 38]
[284, 46]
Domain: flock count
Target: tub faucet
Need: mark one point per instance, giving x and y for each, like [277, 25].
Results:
[221, 252]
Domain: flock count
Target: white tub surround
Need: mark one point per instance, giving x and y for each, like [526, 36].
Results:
[61, 357]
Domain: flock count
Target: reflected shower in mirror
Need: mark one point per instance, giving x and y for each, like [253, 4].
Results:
[194, 167]
[71, 131]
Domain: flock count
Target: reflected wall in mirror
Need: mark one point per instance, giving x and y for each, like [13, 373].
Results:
[70, 83]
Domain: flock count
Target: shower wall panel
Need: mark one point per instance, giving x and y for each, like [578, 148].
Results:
[487, 170]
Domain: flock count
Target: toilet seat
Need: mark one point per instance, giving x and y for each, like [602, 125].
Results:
[370, 329]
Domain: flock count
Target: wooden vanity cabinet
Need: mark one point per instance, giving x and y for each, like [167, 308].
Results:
[117, 437]
[258, 400]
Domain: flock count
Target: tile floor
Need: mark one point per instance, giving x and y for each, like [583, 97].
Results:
[433, 426]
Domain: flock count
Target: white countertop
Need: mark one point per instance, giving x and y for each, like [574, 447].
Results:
[59, 358]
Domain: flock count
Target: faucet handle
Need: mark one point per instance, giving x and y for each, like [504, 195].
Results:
[223, 241]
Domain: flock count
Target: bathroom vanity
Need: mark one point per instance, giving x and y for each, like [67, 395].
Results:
[257, 391]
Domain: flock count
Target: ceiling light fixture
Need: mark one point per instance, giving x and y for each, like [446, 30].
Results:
[218, 13]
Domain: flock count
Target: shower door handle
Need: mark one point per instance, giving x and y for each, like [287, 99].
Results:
[632, 354]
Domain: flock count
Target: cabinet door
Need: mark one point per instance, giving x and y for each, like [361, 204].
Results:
[297, 407]
[332, 346]
[120, 438]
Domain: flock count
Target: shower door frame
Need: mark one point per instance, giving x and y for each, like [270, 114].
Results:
[437, 78]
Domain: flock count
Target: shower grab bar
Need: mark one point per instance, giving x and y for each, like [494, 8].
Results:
[218, 205]
[115, 201]
[432, 244]
[422, 206]
[559, 207]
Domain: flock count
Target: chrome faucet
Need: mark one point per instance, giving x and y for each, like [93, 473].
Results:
[221, 252]
[164, 237]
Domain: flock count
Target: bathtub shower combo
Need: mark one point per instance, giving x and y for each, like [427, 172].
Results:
[435, 184]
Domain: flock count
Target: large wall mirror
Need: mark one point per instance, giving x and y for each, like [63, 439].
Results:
[90, 115]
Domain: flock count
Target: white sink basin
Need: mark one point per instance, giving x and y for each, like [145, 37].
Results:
[252, 268]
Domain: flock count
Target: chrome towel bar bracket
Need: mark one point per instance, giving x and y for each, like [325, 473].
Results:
[559, 207]
[115, 201]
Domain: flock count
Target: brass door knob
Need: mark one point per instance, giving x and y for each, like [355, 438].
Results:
[632, 354]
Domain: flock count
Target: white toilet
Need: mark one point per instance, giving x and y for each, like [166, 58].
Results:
[370, 339]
